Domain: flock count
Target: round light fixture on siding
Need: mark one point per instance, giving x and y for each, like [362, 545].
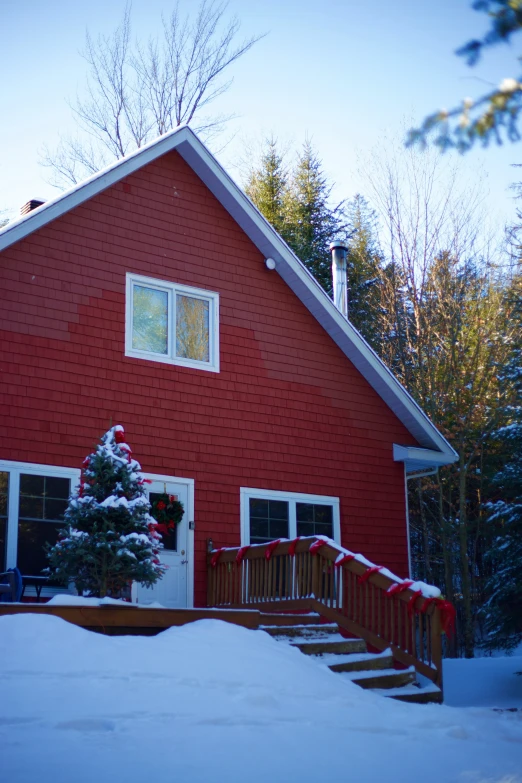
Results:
[270, 263]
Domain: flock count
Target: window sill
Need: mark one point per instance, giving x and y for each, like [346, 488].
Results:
[156, 357]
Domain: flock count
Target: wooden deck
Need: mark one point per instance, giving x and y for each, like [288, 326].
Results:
[119, 620]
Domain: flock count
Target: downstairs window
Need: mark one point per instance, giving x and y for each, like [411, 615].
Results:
[267, 515]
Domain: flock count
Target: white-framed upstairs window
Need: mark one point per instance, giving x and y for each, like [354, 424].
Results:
[269, 514]
[171, 323]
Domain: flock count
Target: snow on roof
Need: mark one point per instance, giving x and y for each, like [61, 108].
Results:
[435, 448]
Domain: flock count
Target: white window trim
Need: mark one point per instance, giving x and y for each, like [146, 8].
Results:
[245, 493]
[171, 289]
[15, 469]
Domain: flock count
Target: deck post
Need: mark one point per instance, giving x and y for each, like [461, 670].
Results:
[436, 645]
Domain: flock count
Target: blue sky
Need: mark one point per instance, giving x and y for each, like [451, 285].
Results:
[345, 73]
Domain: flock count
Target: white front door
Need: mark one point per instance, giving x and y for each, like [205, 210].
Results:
[171, 589]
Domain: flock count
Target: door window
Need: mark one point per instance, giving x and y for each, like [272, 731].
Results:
[170, 539]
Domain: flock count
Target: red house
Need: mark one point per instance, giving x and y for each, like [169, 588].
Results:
[155, 295]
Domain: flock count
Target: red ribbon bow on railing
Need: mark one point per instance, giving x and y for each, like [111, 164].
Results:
[345, 559]
[270, 548]
[316, 546]
[242, 552]
[367, 574]
[399, 587]
[448, 613]
[293, 544]
[214, 560]
[412, 602]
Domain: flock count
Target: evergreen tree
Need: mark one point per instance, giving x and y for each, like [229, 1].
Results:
[503, 611]
[364, 262]
[109, 537]
[312, 222]
[267, 186]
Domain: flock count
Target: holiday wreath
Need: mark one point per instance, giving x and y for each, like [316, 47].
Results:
[168, 512]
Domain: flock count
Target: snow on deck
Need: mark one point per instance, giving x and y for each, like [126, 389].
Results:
[213, 701]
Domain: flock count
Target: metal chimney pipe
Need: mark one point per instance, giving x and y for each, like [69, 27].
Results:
[340, 280]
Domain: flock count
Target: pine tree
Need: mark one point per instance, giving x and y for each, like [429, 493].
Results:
[109, 537]
[267, 186]
[312, 222]
[503, 611]
[364, 262]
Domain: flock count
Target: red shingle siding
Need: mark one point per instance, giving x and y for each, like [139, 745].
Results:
[287, 411]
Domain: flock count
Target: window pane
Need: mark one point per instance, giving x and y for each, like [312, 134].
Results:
[3, 531]
[31, 508]
[314, 519]
[278, 528]
[323, 515]
[268, 520]
[31, 485]
[279, 509]
[192, 328]
[32, 537]
[54, 509]
[4, 485]
[57, 487]
[149, 319]
[258, 508]
[259, 531]
[304, 512]
[43, 500]
[305, 529]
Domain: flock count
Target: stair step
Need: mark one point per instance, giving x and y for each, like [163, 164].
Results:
[358, 662]
[429, 694]
[274, 618]
[332, 646]
[324, 630]
[384, 679]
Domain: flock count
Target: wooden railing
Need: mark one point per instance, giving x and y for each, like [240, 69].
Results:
[352, 594]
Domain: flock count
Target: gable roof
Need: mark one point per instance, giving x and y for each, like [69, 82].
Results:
[434, 451]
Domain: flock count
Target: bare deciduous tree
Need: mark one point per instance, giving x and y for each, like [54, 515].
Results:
[137, 91]
[444, 332]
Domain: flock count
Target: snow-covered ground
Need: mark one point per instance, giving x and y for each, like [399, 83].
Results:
[214, 702]
[483, 682]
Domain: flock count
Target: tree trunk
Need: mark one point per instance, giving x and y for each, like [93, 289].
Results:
[466, 585]
[447, 554]
[425, 536]
[103, 577]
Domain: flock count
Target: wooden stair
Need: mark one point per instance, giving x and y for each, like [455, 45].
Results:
[349, 657]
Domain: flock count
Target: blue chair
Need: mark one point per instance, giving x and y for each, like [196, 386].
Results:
[11, 585]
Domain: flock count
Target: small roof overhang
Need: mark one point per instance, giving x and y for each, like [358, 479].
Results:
[420, 460]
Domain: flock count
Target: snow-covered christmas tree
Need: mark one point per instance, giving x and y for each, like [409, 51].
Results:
[109, 538]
